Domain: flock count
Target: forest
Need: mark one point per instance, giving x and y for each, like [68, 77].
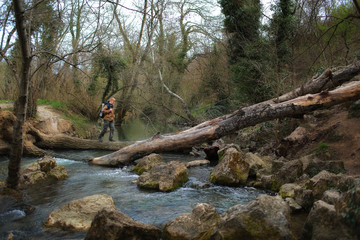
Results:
[170, 62]
[259, 90]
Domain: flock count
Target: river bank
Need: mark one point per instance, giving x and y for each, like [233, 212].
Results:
[329, 137]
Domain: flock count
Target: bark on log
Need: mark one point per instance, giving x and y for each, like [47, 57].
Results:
[219, 127]
[326, 81]
[62, 141]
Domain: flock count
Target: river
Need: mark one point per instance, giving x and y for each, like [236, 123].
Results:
[150, 207]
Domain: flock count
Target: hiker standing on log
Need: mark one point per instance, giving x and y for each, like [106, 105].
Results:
[108, 111]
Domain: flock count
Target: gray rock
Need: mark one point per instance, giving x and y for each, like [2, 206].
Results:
[304, 197]
[147, 162]
[288, 173]
[266, 217]
[78, 214]
[313, 166]
[294, 206]
[288, 190]
[232, 170]
[113, 225]
[43, 170]
[324, 224]
[192, 226]
[331, 196]
[320, 183]
[164, 177]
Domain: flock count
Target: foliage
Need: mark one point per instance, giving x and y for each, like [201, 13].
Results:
[242, 22]
[282, 28]
[340, 28]
[109, 66]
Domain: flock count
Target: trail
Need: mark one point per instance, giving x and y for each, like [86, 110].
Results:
[44, 112]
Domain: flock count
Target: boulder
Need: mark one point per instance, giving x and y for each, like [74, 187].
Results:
[294, 141]
[78, 214]
[320, 183]
[45, 169]
[313, 166]
[232, 170]
[294, 206]
[164, 177]
[147, 162]
[288, 173]
[324, 224]
[277, 164]
[266, 217]
[222, 151]
[194, 225]
[288, 190]
[331, 196]
[348, 208]
[113, 225]
[196, 163]
[255, 163]
[345, 182]
[304, 197]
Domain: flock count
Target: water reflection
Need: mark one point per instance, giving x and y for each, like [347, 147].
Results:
[137, 129]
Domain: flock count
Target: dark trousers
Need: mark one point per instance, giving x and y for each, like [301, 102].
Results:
[106, 125]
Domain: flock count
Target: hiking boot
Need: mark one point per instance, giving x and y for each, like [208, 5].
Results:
[99, 139]
[111, 140]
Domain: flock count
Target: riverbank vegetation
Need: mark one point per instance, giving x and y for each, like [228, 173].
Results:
[174, 61]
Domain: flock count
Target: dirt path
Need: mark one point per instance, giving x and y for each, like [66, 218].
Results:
[44, 111]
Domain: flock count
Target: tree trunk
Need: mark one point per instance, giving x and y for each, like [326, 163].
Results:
[18, 140]
[222, 126]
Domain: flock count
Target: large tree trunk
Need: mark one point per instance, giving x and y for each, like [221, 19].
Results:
[18, 140]
[222, 126]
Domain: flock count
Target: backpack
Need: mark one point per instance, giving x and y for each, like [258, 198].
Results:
[101, 114]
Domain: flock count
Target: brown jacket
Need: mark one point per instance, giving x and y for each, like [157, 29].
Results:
[108, 114]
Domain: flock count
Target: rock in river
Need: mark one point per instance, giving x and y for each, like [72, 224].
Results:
[113, 225]
[78, 214]
[164, 177]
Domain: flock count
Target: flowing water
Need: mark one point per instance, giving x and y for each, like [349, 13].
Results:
[150, 207]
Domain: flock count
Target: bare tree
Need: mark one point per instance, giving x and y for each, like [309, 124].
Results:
[24, 78]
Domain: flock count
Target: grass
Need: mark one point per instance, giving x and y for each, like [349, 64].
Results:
[58, 105]
[5, 101]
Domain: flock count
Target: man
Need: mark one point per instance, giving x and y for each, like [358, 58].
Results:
[108, 111]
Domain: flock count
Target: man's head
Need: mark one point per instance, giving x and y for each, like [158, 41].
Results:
[112, 100]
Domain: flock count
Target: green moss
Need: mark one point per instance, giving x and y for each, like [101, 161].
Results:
[150, 185]
[138, 170]
[183, 178]
[275, 185]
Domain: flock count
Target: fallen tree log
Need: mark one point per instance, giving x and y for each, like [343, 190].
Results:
[326, 81]
[37, 141]
[62, 141]
[222, 126]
